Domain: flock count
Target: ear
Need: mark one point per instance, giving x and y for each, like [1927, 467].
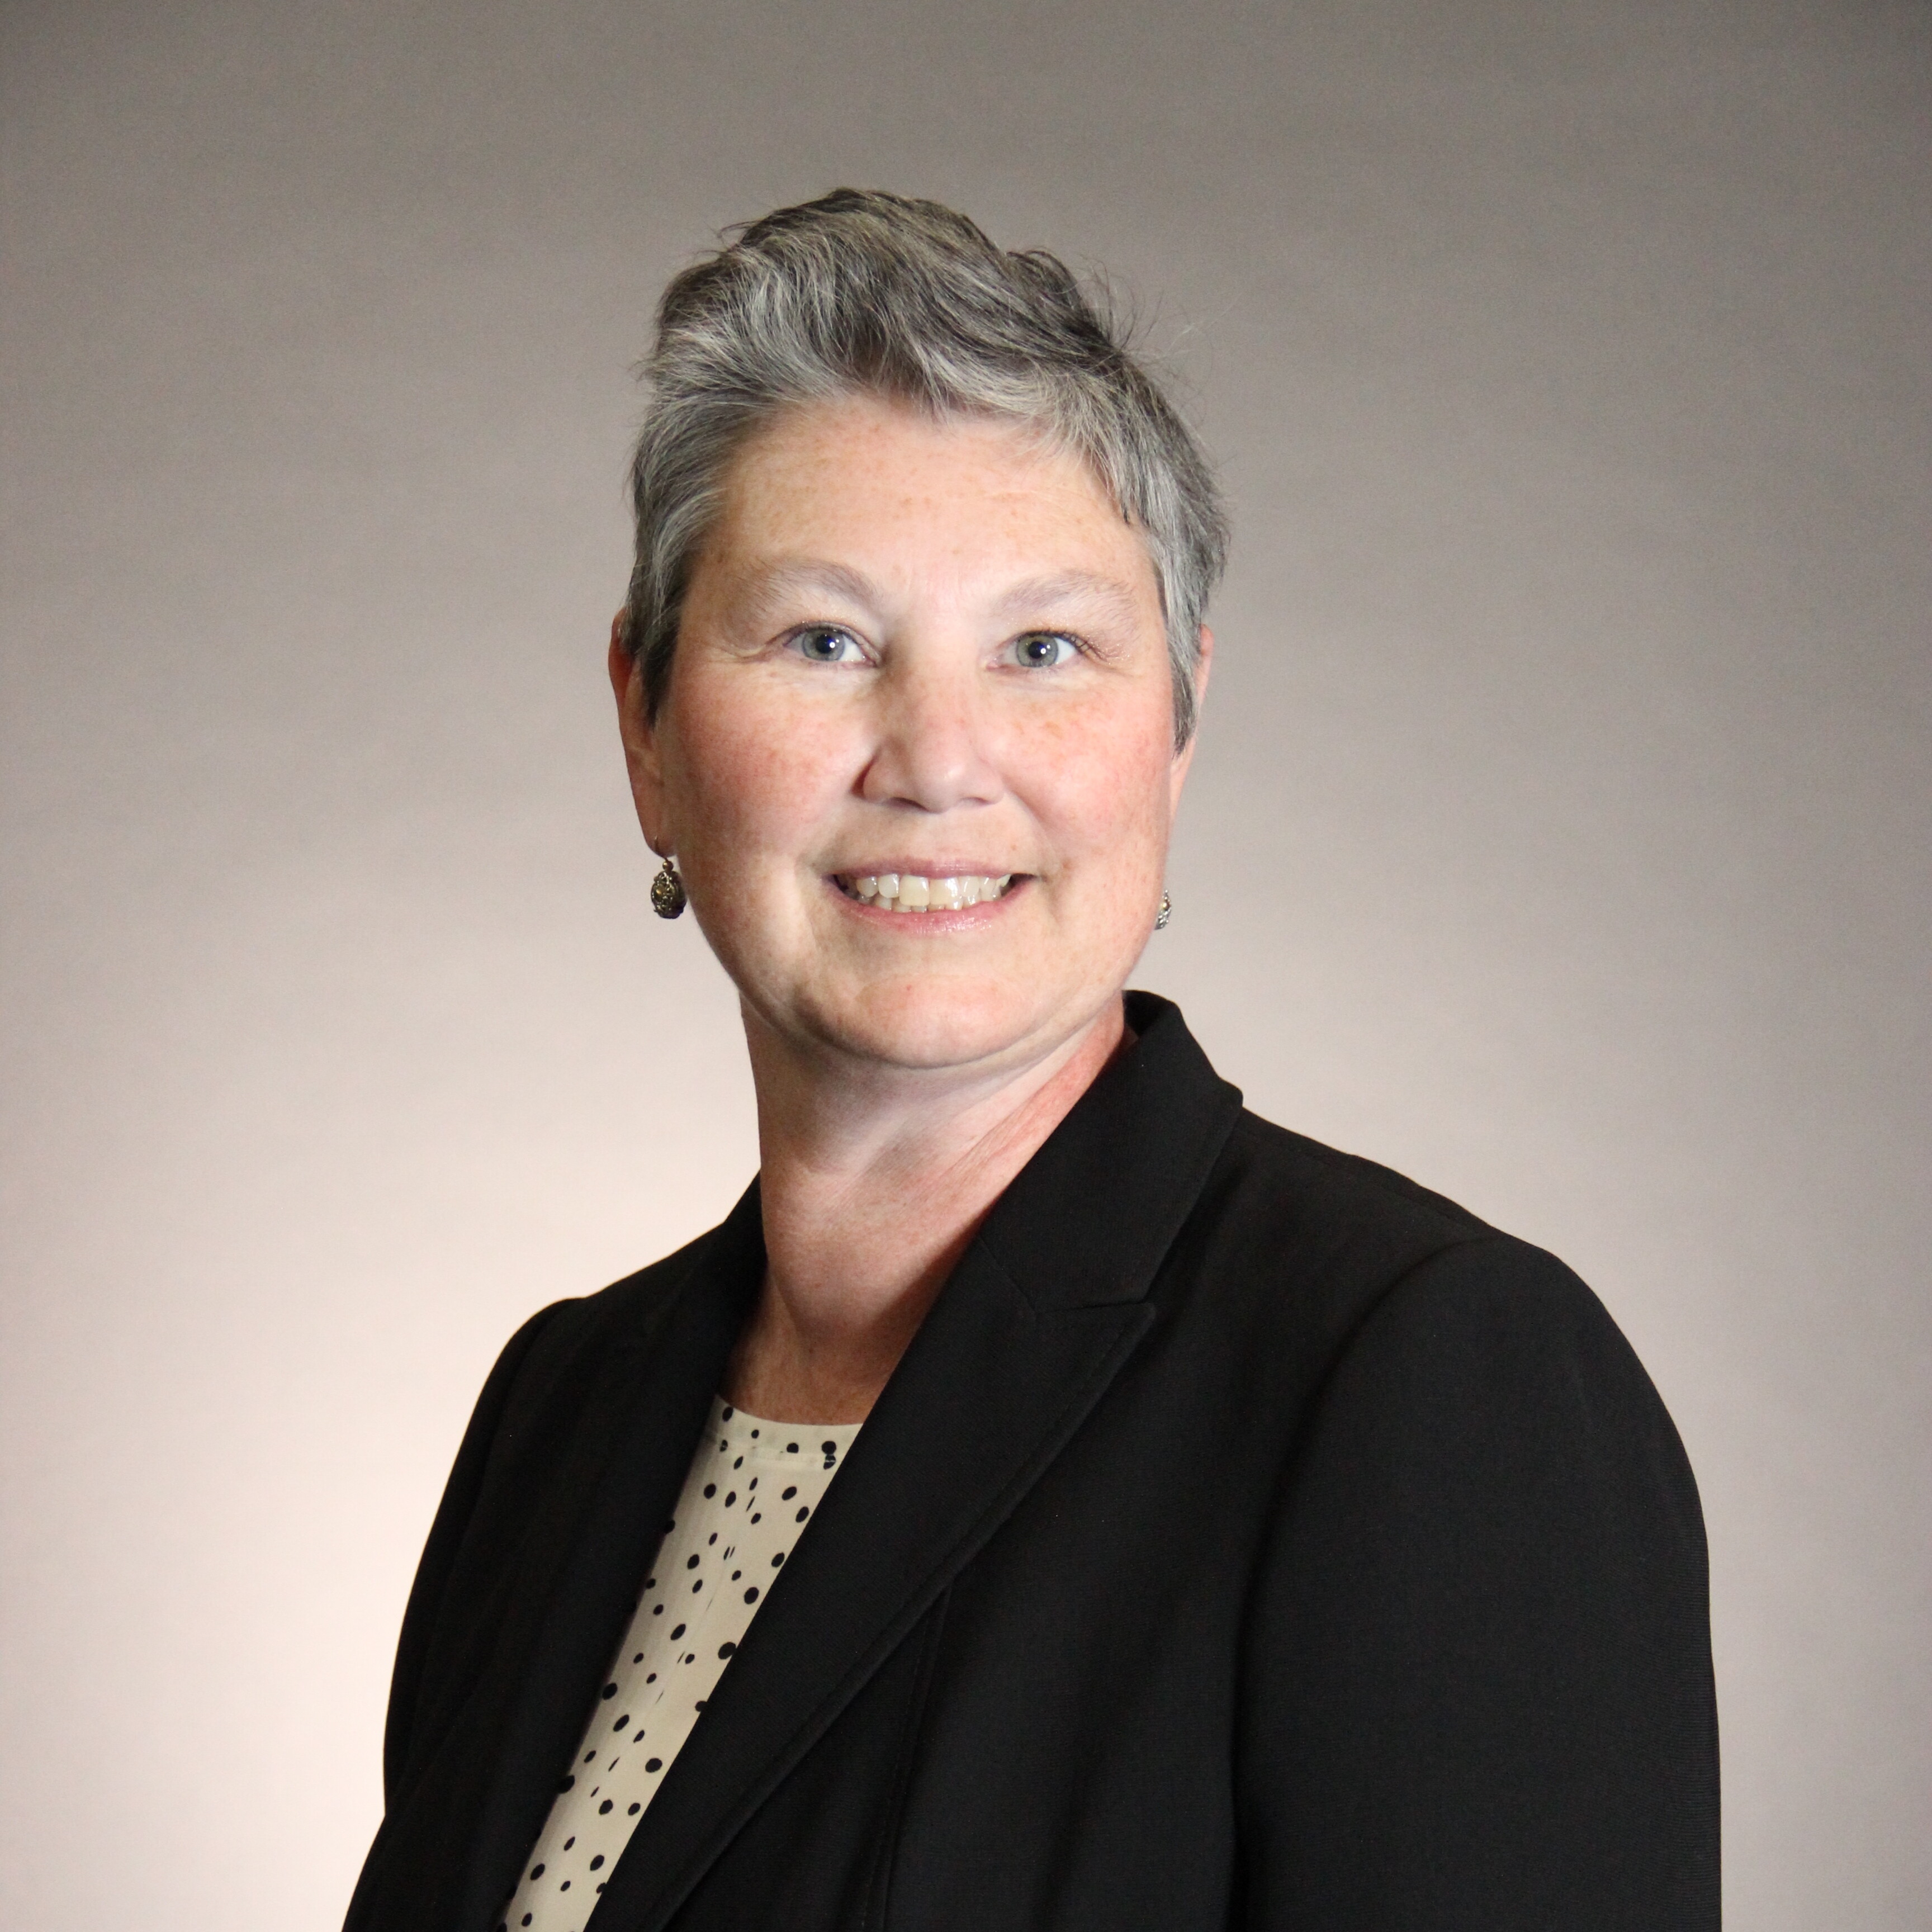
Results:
[642, 751]
[1184, 758]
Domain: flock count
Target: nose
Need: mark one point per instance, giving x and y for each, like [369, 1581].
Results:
[933, 749]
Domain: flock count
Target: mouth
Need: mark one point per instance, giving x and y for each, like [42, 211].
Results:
[909, 892]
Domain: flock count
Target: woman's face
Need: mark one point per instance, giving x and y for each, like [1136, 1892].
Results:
[920, 651]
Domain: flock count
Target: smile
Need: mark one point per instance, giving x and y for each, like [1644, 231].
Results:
[907, 891]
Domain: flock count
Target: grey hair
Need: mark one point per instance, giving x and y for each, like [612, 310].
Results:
[863, 292]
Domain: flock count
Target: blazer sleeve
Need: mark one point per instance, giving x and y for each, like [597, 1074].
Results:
[453, 1516]
[1478, 1690]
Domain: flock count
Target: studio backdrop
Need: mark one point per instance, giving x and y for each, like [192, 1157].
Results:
[1559, 835]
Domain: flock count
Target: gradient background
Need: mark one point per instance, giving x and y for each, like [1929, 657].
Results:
[1560, 833]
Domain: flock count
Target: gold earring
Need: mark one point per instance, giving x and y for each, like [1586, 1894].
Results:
[1166, 913]
[667, 898]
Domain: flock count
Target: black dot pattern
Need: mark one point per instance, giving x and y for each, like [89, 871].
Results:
[664, 1677]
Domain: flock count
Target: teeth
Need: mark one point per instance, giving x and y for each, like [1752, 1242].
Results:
[907, 892]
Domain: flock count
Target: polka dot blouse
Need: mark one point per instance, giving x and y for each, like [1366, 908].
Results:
[752, 1488]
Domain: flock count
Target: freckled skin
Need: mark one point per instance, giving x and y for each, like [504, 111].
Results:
[925, 554]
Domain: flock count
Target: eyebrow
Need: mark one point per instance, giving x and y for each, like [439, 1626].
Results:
[1070, 586]
[773, 580]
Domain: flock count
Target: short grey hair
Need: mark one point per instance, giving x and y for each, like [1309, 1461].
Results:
[863, 292]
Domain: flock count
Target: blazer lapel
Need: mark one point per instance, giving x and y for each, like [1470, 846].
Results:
[1035, 1322]
[649, 1408]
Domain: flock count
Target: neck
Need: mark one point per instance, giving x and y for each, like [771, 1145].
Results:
[871, 1187]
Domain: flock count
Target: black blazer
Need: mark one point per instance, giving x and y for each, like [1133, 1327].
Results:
[1249, 1538]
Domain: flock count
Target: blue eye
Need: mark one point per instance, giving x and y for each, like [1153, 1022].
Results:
[1042, 650]
[826, 644]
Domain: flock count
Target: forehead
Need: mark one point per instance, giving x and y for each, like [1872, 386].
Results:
[882, 487]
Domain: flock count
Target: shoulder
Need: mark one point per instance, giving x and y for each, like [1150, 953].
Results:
[1490, 1366]
[548, 1367]
[1287, 1230]
[1325, 1188]
[1463, 1384]
[1431, 1288]
[1410, 1318]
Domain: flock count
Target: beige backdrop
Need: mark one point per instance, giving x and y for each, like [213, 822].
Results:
[1561, 834]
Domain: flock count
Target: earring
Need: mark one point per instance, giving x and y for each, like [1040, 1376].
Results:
[667, 891]
[1166, 913]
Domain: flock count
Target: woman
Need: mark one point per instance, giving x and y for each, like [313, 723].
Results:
[1054, 1497]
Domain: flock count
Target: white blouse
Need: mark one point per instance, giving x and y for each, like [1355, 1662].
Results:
[752, 1487]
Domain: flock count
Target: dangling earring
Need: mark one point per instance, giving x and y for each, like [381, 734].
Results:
[1166, 913]
[667, 891]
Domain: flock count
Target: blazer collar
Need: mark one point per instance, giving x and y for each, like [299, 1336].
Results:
[1034, 1323]
[1090, 1218]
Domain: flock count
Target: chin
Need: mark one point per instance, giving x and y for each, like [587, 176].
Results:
[929, 1023]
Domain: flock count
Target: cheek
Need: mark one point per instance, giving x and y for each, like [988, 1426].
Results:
[1106, 783]
[747, 777]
